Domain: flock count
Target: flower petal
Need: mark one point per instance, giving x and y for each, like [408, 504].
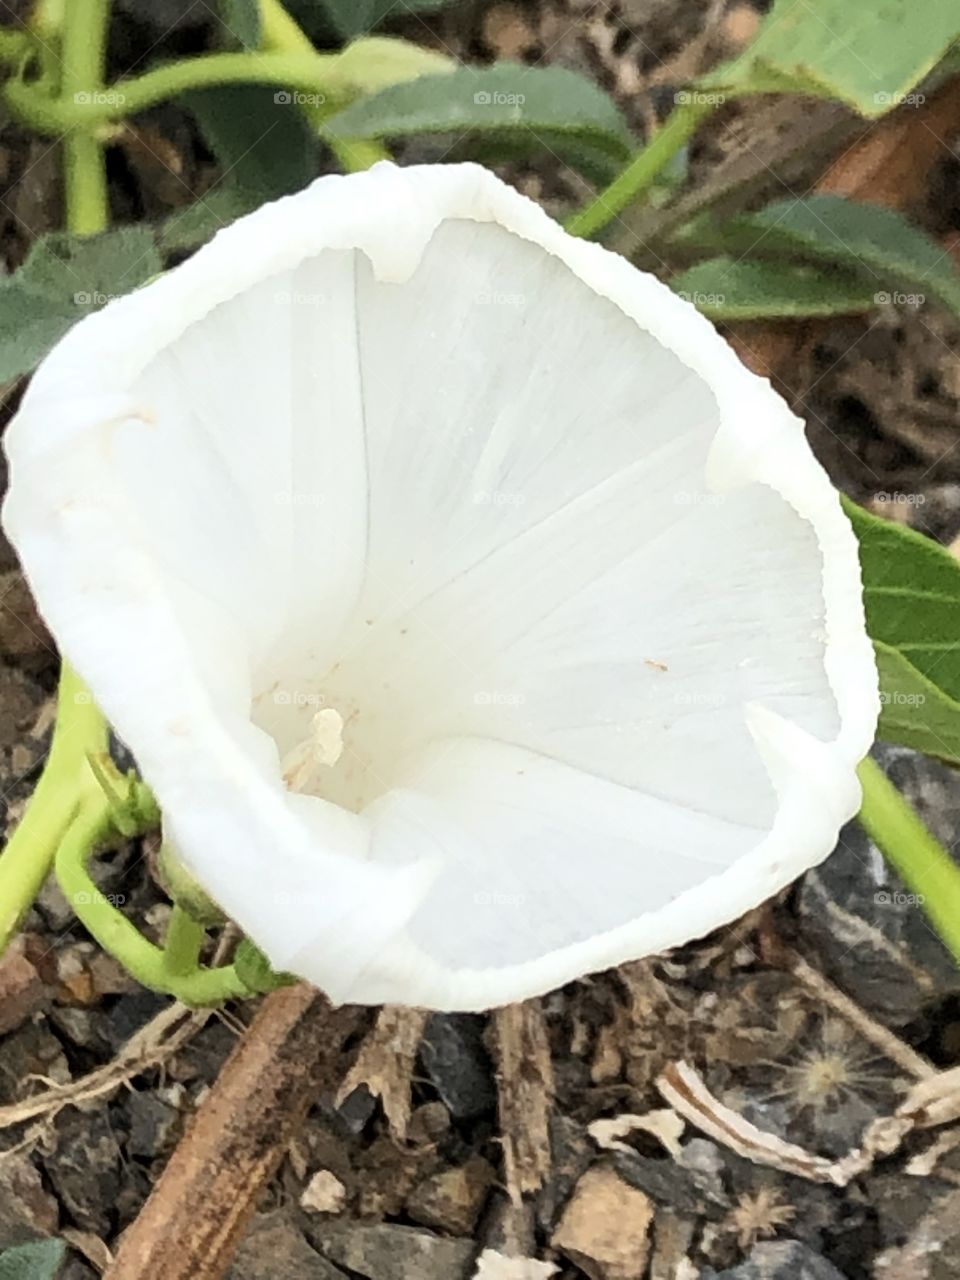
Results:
[569, 575]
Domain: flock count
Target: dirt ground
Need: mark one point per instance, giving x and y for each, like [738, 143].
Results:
[446, 1137]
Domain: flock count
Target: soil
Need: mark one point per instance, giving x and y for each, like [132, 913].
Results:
[483, 1139]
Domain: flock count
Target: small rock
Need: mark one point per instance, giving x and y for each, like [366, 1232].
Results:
[273, 1249]
[780, 1260]
[428, 1124]
[27, 1211]
[21, 990]
[571, 1154]
[389, 1252]
[153, 1125]
[83, 1026]
[451, 1200]
[324, 1193]
[54, 907]
[604, 1228]
[497, 1266]
[132, 1013]
[457, 1064]
[931, 1249]
[85, 1168]
[32, 1050]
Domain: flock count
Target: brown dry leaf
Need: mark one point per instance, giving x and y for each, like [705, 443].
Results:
[889, 164]
[934, 1101]
[605, 1227]
[385, 1065]
[526, 1088]
[687, 1093]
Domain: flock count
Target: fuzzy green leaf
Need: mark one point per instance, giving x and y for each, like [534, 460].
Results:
[260, 137]
[242, 21]
[879, 244]
[732, 289]
[547, 105]
[911, 591]
[63, 279]
[871, 56]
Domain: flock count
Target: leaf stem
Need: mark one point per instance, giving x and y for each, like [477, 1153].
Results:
[65, 782]
[169, 971]
[309, 72]
[914, 853]
[640, 173]
[282, 34]
[84, 48]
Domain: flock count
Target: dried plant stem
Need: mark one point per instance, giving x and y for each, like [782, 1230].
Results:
[208, 1191]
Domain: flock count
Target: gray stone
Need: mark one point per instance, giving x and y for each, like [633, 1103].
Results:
[85, 1168]
[274, 1249]
[780, 1260]
[27, 1211]
[388, 1252]
[153, 1124]
[457, 1064]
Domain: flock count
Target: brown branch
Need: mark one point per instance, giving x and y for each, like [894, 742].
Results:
[197, 1212]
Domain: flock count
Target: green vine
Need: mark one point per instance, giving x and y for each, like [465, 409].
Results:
[920, 860]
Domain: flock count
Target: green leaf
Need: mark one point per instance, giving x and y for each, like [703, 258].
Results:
[254, 971]
[870, 55]
[879, 243]
[741, 289]
[242, 20]
[911, 592]
[260, 137]
[377, 62]
[63, 279]
[193, 225]
[41, 1260]
[353, 17]
[545, 105]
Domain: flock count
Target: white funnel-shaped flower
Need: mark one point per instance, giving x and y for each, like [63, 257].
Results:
[477, 619]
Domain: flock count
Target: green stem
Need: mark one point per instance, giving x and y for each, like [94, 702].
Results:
[183, 943]
[281, 34]
[643, 168]
[914, 853]
[147, 963]
[307, 72]
[85, 175]
[65, 781]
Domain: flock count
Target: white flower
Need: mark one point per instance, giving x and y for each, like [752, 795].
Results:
[476, 618]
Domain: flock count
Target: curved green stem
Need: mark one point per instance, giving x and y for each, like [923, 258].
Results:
[306, 72]
[640, 173]
[65, 781]
[150, 965]
[914, 853]
[81, 88]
